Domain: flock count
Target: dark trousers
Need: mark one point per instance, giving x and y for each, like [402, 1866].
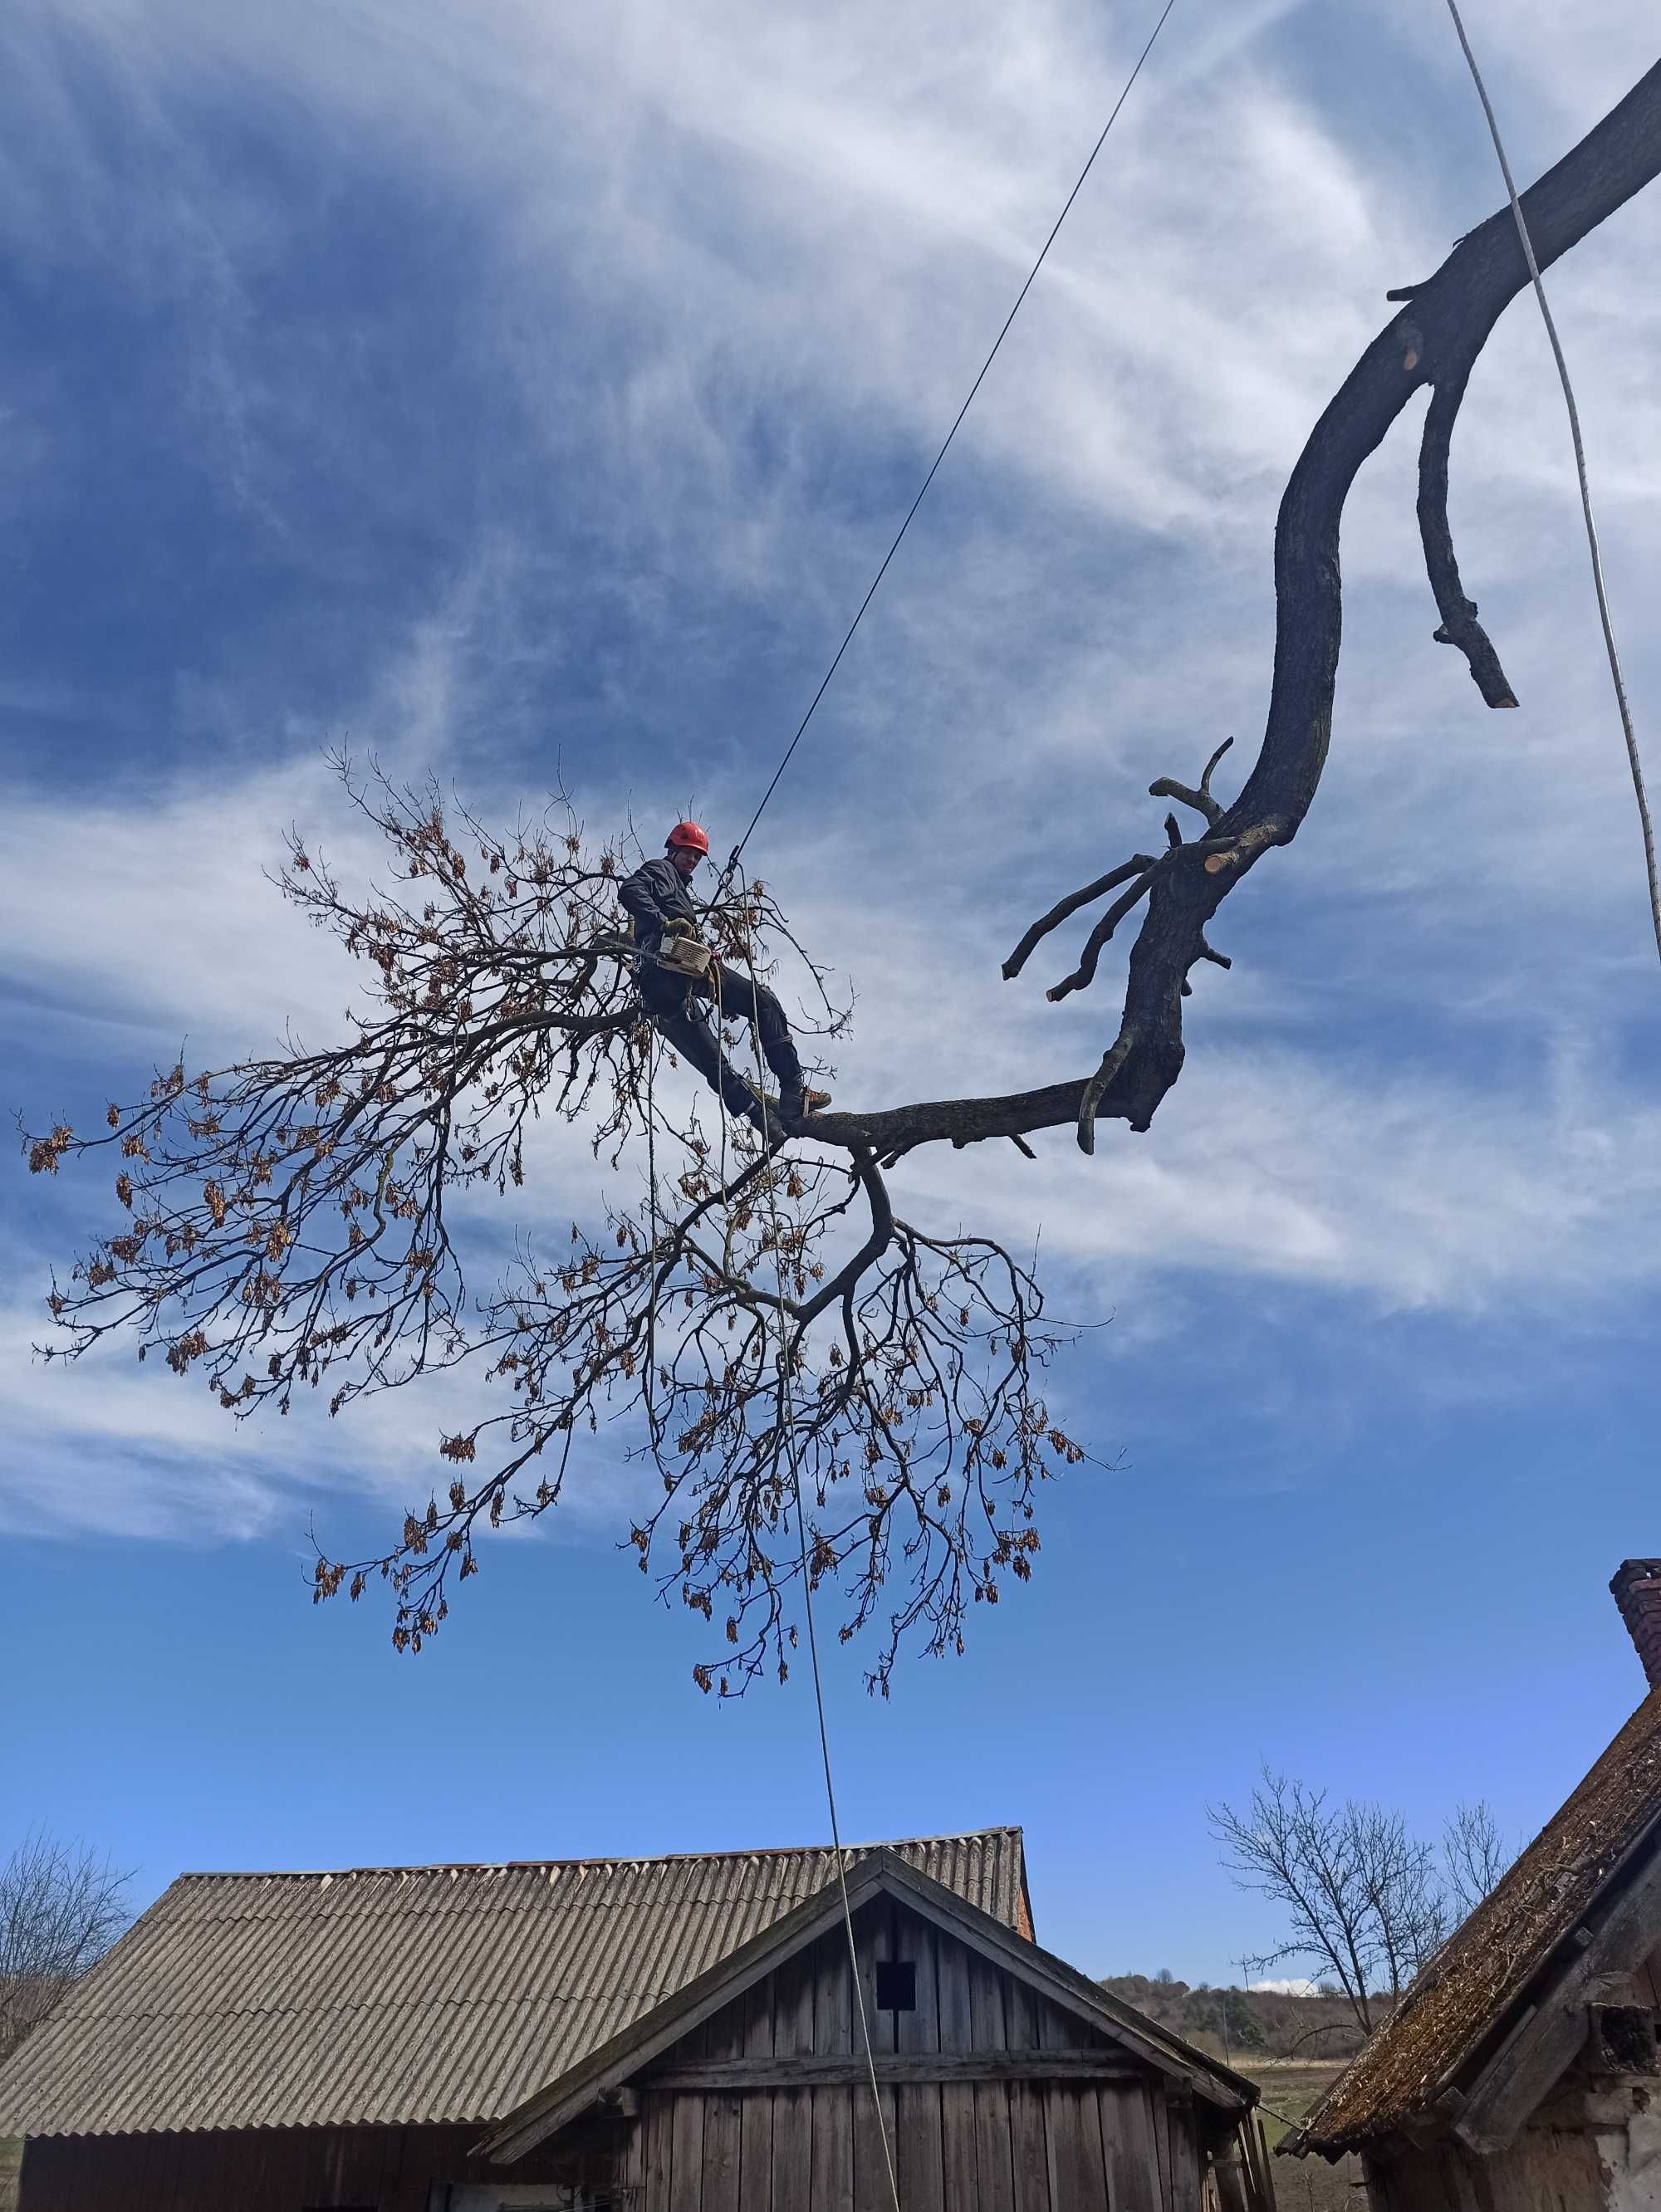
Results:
[681, 1015]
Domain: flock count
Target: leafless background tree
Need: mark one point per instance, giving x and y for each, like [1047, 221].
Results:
[1474, 1856]
[1367, 1902]
[61, 1907]
[768, 1322]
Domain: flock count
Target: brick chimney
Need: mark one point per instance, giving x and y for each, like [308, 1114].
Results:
[1636, 1589]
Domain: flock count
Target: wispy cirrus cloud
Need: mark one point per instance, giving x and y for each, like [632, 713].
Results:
[528, 394]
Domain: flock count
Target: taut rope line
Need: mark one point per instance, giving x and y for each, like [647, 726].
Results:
[1633, 761]
[737, 854]
[782, 1446]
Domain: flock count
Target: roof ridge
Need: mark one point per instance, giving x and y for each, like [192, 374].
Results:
[646, 1859]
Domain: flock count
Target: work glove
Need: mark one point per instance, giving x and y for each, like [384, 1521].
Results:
[679, 925]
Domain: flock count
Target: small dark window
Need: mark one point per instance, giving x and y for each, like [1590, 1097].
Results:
[897, 1985]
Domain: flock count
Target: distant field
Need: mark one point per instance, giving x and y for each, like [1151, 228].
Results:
[1302, 2184]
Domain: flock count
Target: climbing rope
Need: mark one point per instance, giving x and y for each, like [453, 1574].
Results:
[738, 850]
[652, 1191]
[1633, 760]
[784, 1445]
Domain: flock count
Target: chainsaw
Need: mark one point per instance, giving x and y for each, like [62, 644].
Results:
[686, 956]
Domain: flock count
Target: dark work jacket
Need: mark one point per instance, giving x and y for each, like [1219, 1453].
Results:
[654, 895]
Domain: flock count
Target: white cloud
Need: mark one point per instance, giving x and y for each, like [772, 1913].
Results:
[1415, 1091]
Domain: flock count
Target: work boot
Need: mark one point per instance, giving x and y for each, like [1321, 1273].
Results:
[766, 1119]
[797, 1105]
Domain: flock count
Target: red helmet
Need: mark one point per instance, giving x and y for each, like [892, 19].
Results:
[691, 834]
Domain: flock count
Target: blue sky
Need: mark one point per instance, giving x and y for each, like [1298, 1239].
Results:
[522, 392]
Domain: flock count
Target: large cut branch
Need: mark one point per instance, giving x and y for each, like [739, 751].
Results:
[1435, 338]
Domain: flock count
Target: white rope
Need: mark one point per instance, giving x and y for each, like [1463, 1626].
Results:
[1610, 647]
[652, 1188]
[782, 1445]
[1031, 278]
[780, 1448]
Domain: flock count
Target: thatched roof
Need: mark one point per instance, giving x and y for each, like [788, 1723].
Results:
[1464, 1999]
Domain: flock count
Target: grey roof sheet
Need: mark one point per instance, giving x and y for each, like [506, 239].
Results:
[405, 1995]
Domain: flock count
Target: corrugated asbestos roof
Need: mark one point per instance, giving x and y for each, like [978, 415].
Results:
[1487, 1965]
[404, 1994]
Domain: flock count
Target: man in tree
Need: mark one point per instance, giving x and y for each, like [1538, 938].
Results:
[658, 900]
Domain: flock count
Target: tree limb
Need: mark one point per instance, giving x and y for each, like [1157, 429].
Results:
[286, 1222]
[1459, 624]
[1058, 914]
[1434, 341]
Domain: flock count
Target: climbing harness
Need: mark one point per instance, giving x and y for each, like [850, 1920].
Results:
[737, 852]
[1633, 760]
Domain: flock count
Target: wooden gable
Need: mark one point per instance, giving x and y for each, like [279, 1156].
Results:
[993, 2095]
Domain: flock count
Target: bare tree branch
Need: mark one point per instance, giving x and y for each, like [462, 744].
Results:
[1200, 800]
[61, 1907]
[1137, 865]
[1474, 1854]
[1459, 624]
[1434, 341]
[291, 1224]
[1360, 1893]
[301, 1223]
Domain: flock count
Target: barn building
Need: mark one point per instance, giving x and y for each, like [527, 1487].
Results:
[664, 2035]
[1520, 2074]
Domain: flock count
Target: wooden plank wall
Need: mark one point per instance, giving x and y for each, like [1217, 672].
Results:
[1063, 2144]
[959, 2145]
[290, 2169]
